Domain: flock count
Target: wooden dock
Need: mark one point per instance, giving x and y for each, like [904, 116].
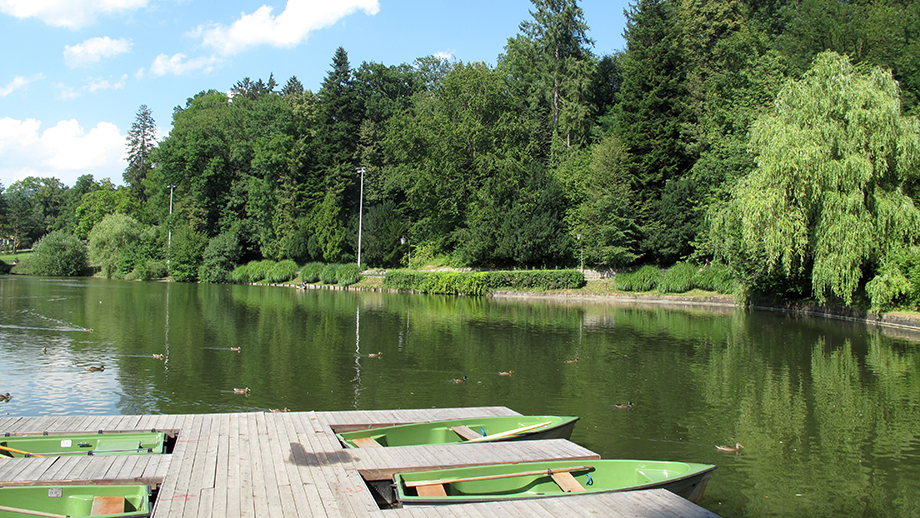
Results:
[292, 465]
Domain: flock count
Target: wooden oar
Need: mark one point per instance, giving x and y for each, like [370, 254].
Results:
[416, 483]
[508, 433]
[14, 450]
[27, 511]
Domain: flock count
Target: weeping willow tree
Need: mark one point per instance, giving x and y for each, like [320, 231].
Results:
[829, 199]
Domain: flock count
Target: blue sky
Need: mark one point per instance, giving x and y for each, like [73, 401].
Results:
[75, 72]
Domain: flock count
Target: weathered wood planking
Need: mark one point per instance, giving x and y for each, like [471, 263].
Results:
[291, 464]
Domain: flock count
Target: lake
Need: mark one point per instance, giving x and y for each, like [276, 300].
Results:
[828, 412]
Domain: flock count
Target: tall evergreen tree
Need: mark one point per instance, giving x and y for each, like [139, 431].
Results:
[651, 112]
[553, 62]
[142, 138]
[652, 96]
[337, 137]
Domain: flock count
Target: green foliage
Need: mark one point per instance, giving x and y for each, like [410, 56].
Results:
[715, 277]
[328, 275]
[186, 254]
[258, 270]
[282, 271]
[481, 283]
[240, 274]
[58, 254]
[679, 278]
[643, 279]
[149, 270]
[118, 243]
[22, 268]
[828, 198]
[348, 274]
[309, 272]
[219, 258]
[508, 166]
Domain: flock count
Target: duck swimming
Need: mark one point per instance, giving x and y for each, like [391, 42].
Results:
[158, 356]
[730, 449]
[374, 355]
[5, 397]
[623, 406]
[459, 380]
[506, 373]
[93, 368]
[241, 390]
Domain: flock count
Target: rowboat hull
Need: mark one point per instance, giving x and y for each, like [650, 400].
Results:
[486, 429]
[107, 443]
[498, 482]
[76, 501]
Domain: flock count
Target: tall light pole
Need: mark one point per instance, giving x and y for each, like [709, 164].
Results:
[360, 213]
[169, 226]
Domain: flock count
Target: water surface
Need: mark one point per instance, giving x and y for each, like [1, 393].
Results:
[828, 411]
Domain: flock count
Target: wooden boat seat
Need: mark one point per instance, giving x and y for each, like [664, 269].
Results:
[567, 482]
[367, 442]
[466, 432]
[431, 490]
[107, 505]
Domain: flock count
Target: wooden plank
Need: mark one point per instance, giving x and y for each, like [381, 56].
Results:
[416, 483]
[309, 502]
[247, 506]
[107, 505]
[270, 494]
[206, 503]
[366, 442]
[221, 458]
[431, 490]
[174, 492]
[567, 482]
[231, 487]
[466, 432]
[275, 456]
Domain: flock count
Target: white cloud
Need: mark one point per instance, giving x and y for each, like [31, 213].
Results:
[17, 83]
[72, 14]
[93, 50]
[105, 84]
[291, 27]
[69, 93]
[15, 133]
[65, 151]
[178, 64]
[444, 56]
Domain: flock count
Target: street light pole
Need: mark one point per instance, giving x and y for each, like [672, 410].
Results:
[169, 226]
[360, 213]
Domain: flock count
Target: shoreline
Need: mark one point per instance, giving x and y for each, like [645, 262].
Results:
[724, 303]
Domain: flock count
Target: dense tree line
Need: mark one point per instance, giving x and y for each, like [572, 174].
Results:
[721, 131]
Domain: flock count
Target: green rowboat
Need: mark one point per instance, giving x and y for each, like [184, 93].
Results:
[100, 443]
[74, 501]
[550, 478]
[468, 430]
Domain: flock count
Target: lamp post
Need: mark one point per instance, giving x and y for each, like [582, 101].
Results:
[169, 226]
[405, 240]
[361, 170]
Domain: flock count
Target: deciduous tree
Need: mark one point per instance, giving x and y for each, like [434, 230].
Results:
[829, 196]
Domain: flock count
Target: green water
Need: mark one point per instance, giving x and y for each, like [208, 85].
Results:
[828, 412]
